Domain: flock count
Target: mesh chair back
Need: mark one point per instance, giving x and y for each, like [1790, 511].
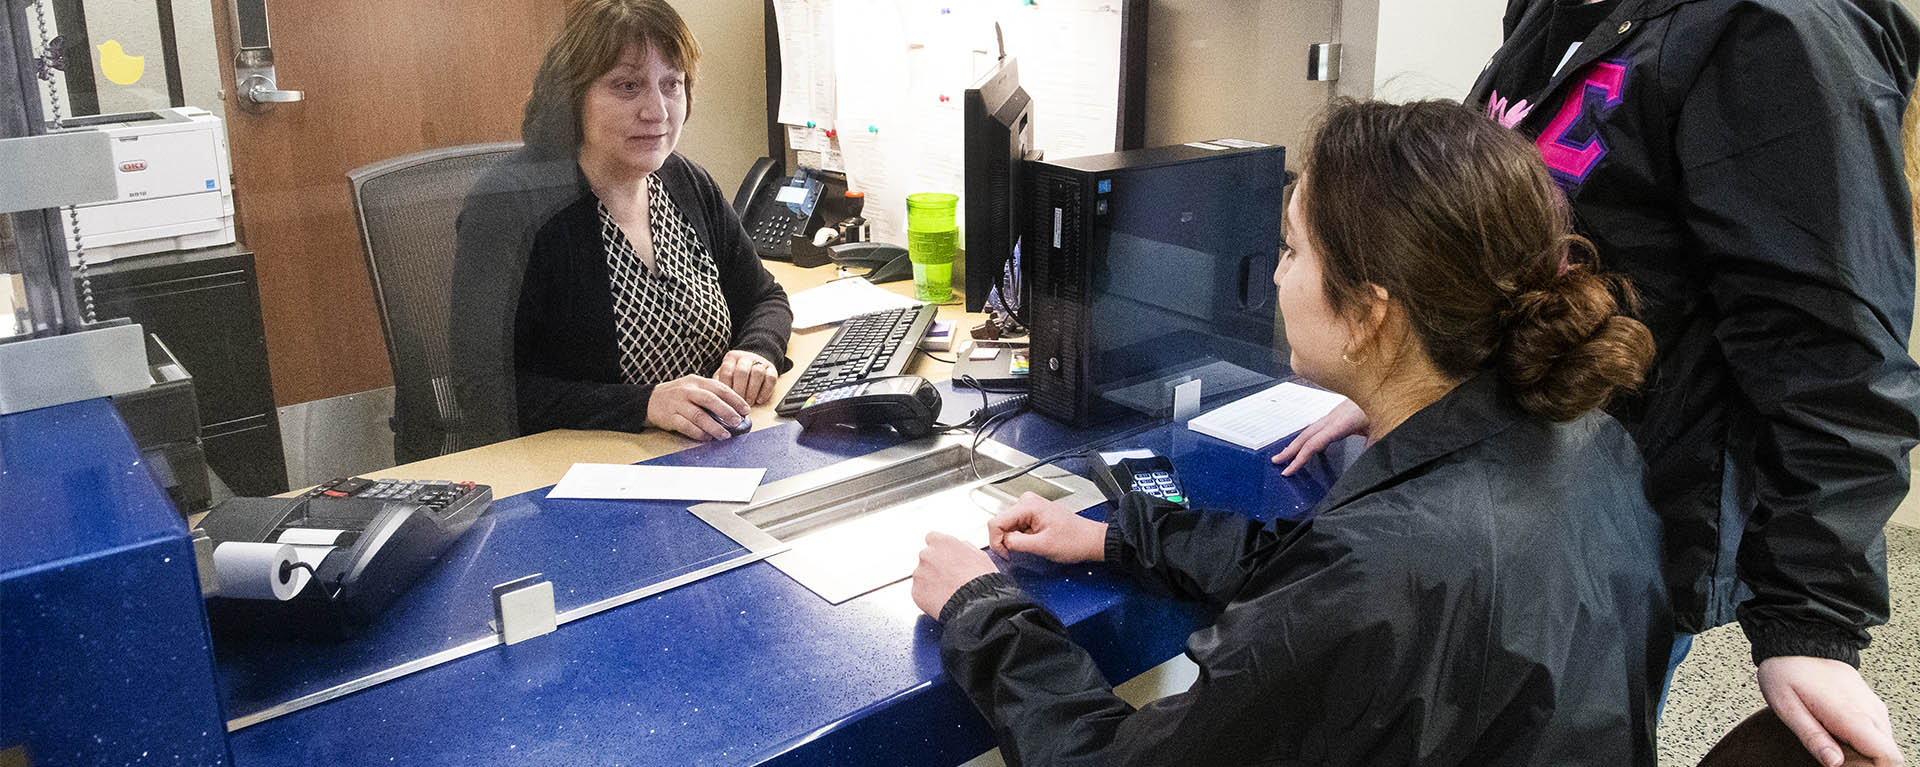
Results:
[406, 208]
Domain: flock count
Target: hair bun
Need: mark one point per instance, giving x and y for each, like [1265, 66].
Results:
[1567, 347]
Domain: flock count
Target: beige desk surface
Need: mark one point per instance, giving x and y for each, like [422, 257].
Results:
[538, 460]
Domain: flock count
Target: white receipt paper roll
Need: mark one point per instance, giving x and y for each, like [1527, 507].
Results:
[253, 571]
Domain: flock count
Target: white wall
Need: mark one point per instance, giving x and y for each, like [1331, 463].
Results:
[1234, 69]
[1427, 49]
[728, 128]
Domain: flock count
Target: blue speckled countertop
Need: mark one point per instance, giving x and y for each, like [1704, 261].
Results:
[747, 667]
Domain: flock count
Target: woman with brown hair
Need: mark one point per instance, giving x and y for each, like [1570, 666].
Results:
[602, 280]
[1480, 588]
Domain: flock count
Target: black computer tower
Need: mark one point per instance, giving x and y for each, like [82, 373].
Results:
[1148, 268]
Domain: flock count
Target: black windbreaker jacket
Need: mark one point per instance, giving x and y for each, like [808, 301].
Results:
[1476, 589]
[1741, 161]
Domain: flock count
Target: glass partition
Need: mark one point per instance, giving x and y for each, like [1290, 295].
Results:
[333, 214]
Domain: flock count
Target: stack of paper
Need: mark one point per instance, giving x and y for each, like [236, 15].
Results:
[1259, 420]
[840, 299]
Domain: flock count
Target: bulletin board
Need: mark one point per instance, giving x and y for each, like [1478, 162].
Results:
[874, 87]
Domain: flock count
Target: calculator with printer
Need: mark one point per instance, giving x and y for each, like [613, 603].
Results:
[373, 538]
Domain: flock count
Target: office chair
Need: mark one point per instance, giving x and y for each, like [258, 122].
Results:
[406, 208]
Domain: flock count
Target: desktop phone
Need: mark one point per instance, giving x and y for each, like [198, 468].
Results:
[781, 212]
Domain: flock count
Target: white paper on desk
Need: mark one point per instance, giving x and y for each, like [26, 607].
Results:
[1261, 419]
[612, 481]
[840, 299]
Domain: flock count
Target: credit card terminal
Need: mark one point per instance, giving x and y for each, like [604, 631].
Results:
[1119, 472]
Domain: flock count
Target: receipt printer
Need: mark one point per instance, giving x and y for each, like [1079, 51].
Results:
[175, 194]
[326, 564]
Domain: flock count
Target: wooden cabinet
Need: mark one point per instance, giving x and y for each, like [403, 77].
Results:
[205, 304]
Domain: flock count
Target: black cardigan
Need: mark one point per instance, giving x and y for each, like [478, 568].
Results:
[530, 205]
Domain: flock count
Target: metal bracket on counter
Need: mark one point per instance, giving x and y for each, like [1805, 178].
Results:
[523, 609]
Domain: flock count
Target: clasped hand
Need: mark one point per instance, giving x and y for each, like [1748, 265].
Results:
[1033, 525]
[702, 407]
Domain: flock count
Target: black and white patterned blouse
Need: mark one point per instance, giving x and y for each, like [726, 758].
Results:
[671, 319]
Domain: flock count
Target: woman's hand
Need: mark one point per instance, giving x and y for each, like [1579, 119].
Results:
[946, 564]
[1827, 706]
[748, 374]
[694, 406]
[1345, 421]
[1038, 526]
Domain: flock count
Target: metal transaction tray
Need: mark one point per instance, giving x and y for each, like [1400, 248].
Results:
[858, 525]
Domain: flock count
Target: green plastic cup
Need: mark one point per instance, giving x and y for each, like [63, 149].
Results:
[932, 238]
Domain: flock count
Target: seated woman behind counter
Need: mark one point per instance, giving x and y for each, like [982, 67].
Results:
[1482, 587]
[601, 280]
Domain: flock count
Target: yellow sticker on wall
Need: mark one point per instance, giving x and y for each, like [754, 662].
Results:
[120, 68]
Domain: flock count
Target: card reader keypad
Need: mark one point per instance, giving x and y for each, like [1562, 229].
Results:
[1158, 484]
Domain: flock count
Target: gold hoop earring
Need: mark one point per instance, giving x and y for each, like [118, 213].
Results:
[1350, 360]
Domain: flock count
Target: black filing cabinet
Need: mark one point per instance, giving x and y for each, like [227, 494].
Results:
[205, 304]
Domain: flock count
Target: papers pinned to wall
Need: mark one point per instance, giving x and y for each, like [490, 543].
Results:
[806, 62]
[875, 87]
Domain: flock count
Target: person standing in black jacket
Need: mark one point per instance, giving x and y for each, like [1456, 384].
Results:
[601, 280]
[1740, 160]
[1478, 589]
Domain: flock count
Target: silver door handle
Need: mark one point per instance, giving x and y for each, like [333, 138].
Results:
[259, 90]
[253, 63]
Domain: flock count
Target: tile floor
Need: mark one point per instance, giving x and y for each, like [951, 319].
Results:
[1714, 688]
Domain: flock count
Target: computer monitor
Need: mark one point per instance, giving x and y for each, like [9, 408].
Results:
[998, 133]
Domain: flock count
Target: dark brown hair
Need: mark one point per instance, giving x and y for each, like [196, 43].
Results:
[596, 33]
[1459, 221]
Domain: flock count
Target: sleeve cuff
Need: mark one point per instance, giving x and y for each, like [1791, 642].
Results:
[1116, 549]
[1779, 641]
[978, 589]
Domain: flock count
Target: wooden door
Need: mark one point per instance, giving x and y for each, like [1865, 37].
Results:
[382, 78]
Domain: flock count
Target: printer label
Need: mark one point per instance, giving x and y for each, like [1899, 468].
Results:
[133, 166]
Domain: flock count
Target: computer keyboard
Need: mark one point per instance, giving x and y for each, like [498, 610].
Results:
[868, 345]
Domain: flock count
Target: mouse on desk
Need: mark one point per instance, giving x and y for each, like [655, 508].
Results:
[884, 262]
[734, 427]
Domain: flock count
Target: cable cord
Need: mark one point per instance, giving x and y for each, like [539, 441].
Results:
[930, 355]
[1082, 452]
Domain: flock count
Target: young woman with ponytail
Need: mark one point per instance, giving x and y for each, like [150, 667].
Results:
[1478, 588]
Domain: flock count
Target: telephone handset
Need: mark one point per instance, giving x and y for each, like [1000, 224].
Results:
[884, 262]
[779, 210]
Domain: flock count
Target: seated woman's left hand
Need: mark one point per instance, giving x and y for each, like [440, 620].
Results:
[748, 374]
[946, 564]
